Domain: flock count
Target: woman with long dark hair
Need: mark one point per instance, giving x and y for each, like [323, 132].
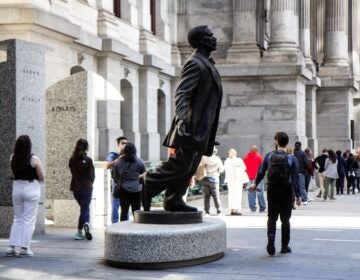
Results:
[27, 174]
[127, 171]
[83, 176]
[330, 174]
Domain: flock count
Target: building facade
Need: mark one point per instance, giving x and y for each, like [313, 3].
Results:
[289, 65]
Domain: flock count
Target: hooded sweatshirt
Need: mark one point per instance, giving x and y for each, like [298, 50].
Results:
[252, 161]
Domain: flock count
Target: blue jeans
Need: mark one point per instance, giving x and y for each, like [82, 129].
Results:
[83, 198]
[303, 193]
[260, 196]
[115, 205]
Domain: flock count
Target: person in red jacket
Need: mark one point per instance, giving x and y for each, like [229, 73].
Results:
[253, 161]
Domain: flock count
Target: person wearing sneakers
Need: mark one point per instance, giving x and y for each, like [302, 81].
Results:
[282, 178]
[27, 175]
[330, 175]
[83, 176]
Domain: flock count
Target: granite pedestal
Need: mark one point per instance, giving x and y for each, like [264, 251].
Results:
[156, 246]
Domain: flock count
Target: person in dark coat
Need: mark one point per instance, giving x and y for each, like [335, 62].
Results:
[193, 130]
[341, 169]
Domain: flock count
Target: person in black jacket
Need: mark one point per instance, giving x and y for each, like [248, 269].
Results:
[303, 170]
[341, 169]
[193, 130]
[83, 176]
[320, 166]
[351, 165]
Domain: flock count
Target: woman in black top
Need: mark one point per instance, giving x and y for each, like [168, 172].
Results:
[127, 171]
[83, 176]
[28, 174]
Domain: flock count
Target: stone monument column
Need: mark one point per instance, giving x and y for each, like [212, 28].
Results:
[304, 32]
[335, 97]
[243, 47]
[336, 39]
[22, 111]
[284, 25]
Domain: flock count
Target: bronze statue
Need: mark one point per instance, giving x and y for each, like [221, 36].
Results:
[193, 130]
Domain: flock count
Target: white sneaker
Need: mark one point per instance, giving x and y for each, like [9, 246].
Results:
[11, 252]
[26, 252]
[305, 203]
[221, 214]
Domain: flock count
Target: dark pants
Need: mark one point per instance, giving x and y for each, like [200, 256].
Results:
[279, 203]
[211, 189]
[173, 175]
[340, 184]
[350, 183]
[83, 198]
[307, 182]
[128, 198]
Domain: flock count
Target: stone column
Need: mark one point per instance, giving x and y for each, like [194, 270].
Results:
[310, 107]
[22, 111]
[284, 25]
[304, 31]
[243, 47]
[336, 40]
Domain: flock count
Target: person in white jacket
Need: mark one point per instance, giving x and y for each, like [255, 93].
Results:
[235, 177]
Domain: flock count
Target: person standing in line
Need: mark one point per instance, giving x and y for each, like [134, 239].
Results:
[111, 160]
[357, 171]
[351, 165]
[235, 177]
[252, 162]
[27, 174]
[127, 172]
[83, 176]
[211, 183]
[330, 175]
[341, 170]
[303, 169]
[319, 162]
[310, 172]
[282, 177]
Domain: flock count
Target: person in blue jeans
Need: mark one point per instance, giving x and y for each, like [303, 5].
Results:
[83, 176]
[257, 193]
[253, 162]
[111, 160]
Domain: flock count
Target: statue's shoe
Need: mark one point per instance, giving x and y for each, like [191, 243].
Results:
[179, 207]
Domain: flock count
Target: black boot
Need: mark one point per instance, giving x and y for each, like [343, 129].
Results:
[285, 250]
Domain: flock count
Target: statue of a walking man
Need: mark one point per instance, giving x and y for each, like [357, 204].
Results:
[193, 130]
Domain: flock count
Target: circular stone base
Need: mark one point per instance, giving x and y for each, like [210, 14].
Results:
[149, 246]
[167, 217]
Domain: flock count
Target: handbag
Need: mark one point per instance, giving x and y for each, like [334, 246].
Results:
[117, 187]
[200, 172]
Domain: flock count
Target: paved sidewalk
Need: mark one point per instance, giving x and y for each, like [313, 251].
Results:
[325, 242]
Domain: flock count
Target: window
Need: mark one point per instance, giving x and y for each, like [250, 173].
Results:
[117, 8]
[153, 16]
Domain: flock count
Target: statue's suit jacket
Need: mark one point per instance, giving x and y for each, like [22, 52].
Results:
[197, 102]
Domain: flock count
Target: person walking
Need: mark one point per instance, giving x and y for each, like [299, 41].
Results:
[235, 177]
[341, 170]
[211, 183]
[27, 174]
[282, 177]
[252, 162]
[83, 176]
[330, 175]
[310, 172]
[111, 160]
[319, 162]
[303, 169]
[127, 172]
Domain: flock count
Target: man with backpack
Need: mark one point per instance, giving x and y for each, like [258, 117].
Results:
[282, 179]
[111, 159]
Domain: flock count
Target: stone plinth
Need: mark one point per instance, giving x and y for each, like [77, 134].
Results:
[22, 111]
[167, 217]
[155, 246]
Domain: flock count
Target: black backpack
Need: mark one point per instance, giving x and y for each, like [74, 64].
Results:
[278, 172]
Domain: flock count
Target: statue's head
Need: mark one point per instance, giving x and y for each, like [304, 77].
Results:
[201, 37]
